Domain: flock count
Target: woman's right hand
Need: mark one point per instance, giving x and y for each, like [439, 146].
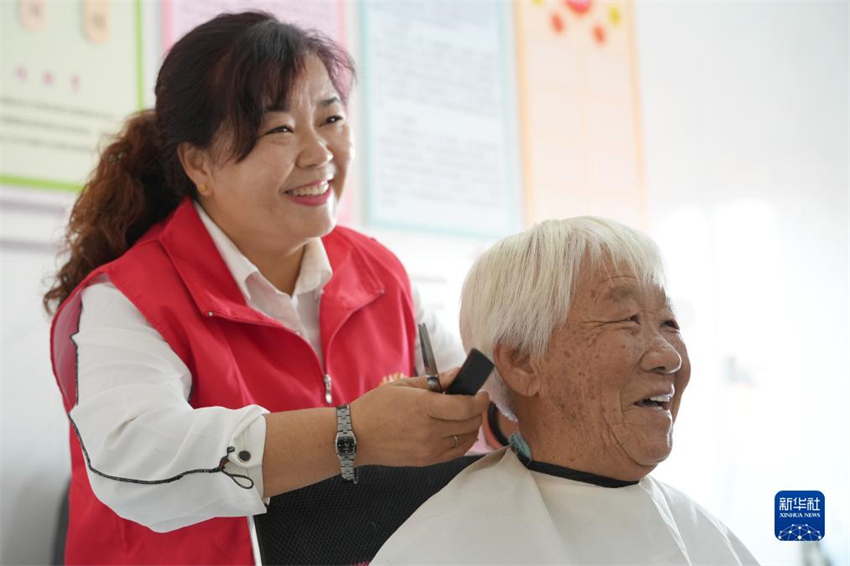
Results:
[404, 424]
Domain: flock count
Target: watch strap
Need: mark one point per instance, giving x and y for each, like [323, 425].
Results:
[344, 430]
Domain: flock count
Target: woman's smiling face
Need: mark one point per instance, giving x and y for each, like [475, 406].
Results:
[619, 349]
[286, 190]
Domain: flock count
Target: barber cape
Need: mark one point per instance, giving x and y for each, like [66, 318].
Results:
[499, 511]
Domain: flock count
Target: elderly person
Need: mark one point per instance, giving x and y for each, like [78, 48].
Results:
[591, 364]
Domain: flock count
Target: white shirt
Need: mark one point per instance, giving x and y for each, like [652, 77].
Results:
[497, 511]
[133, 415]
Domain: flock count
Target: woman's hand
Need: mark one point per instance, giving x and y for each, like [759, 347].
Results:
[404, 424]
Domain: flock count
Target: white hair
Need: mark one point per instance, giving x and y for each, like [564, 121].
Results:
[521, 288]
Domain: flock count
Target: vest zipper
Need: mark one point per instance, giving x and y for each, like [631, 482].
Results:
[328, 385]
[322, 364]
[326, 348]
[326, 379]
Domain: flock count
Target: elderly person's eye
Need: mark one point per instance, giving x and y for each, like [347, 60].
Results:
[633, 318]
[671, 324]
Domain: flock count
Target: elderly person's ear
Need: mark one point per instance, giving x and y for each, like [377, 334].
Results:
[516, 370]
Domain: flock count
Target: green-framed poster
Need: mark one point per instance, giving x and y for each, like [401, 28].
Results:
[70, 73]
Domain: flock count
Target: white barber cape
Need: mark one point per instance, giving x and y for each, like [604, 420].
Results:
[499, 511]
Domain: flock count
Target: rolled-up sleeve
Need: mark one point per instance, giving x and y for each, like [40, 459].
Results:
[151, 457]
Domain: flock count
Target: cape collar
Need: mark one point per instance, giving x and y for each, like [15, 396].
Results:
[523, 453]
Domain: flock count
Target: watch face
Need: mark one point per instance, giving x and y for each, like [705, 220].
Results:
[345, 445]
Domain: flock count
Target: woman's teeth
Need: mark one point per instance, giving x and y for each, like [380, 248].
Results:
[311, 191]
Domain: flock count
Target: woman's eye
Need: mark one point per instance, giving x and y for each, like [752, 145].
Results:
[671, 324]
[334, 119]
[280, 130]
[633, 318]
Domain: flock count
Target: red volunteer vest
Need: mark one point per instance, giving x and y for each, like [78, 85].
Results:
[175, 276]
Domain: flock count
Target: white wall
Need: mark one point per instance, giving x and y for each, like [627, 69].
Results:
[745, 107]
[34, 453]
[34, 460]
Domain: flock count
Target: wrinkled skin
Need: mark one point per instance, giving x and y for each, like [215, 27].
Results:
[619, 345]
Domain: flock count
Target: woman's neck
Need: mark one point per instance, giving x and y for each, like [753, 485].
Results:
[280, 265]
[281, 269]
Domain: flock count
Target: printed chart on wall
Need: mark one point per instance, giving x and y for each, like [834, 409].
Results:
[579, 109]
[71, 73]
[326, 16]
[439, 117]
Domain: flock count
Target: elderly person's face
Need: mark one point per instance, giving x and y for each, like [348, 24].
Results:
[619, 348]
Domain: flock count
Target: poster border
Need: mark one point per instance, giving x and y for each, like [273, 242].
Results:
[66, 186]
[513, 221]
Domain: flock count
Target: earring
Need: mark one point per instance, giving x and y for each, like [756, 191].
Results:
[202, 189]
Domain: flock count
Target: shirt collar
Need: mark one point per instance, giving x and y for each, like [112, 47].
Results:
[315, 268]
[315, 272]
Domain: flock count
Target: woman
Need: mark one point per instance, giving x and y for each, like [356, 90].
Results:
[217, 333]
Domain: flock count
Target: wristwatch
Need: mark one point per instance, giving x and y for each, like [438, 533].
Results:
[346, 444]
